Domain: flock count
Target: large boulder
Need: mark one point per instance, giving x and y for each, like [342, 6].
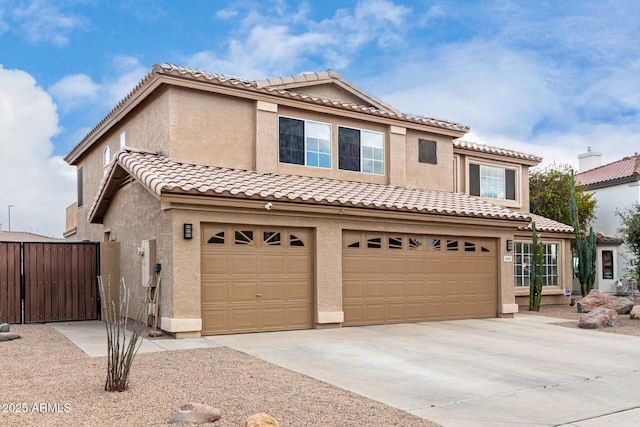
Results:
[261, 420]
[196, 413]
[8, 336]
[4, 327]
[599, 318]
[635, 312]
[597, 299]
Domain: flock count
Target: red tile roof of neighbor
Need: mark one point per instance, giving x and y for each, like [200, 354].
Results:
[162, 175]
[24, 236]
[628, 167]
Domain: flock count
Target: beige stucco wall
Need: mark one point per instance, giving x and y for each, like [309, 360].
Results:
[146, 128]
[133, 216]
[328, 254]
[212, 129]
[428, 176]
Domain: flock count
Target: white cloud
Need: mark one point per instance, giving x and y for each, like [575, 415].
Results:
[284, 45]
[39, 185]
[80, 90]
[227, 13]
[42, 21]
[72, 91]
[128, 71]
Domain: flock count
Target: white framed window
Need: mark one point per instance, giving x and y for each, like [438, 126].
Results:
[304, 142]
[106, 156]
[493, 182]
[360, 150]
[123, 139]
[522, 264]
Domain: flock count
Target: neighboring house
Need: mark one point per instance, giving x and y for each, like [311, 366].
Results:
[304, 202]
[616, 186]
[25, 236]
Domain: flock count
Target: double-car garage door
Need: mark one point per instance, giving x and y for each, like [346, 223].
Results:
[394, 278]
[258, 278]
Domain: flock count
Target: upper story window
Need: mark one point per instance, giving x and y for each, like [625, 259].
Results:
[123, 139]
[79, 182]
[304, 142]
[493, 182]
[360, 150]
[427, 151]
[106, 156]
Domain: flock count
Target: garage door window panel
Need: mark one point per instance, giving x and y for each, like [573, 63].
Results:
[217, 239]
[271, 238]
[244, 237]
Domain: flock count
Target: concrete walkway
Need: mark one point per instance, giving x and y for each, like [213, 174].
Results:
[489, 372]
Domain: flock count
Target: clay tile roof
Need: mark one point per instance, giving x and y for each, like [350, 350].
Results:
[628, 167]
[25, 236]
[162, 175]
[548, 225]
[263, 86]
[472, 146]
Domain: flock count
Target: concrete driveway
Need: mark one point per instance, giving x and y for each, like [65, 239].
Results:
[491, 372]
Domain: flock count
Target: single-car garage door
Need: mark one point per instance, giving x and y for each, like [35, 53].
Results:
[395, 278]
[256, 279]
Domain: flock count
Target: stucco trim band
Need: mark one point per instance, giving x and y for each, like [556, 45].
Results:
[267, 106]
[330, 317]
[170, 324]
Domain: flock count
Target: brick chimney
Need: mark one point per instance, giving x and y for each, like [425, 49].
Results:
[589, 160]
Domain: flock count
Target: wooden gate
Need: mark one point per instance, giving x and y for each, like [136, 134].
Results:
[56, 282]
[10, 283]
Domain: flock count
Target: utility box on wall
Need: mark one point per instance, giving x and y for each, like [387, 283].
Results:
[148, 262]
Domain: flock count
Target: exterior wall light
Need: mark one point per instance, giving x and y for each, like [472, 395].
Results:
[188, 231]
[509, 245]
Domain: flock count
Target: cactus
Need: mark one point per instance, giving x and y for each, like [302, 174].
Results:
[536, 272]
[585, 247]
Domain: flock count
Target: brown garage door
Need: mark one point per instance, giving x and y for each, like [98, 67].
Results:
[395, 278]
[256, 279]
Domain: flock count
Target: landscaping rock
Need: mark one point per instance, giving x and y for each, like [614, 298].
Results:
[196, 413]
[635, 312]
[261, 420]
[597, 299]
[599, 318]
[4, 327]
[8, 336]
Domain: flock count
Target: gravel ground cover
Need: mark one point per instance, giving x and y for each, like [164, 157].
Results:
[627, 325]
[45, 380]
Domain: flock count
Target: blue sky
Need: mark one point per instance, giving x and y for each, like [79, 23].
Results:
[548, 78]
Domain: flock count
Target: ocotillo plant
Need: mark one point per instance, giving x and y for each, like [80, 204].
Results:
[536, 272]
[120, 351]
[585, 248]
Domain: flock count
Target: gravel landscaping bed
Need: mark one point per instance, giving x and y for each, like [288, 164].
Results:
[47, 380]
[627, 326]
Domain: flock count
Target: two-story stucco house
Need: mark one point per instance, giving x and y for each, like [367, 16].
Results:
[304, 202]
[616, 186]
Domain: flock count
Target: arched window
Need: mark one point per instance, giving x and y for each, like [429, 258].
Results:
[106, 156]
